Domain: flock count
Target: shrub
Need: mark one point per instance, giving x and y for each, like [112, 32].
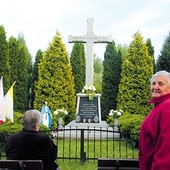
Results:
[131, 123]
[8, 127]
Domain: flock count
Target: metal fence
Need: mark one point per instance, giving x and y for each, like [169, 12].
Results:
[89, 144]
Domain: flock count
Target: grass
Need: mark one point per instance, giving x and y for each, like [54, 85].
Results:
[99, 149]
[76, 165]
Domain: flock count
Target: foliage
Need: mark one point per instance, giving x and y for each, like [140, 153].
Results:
[163, 62]
[131, 123]
[8, 127]
[13, 60]
[111, 76]
[4, 60]
[77, 61]
[21, 69]
[55, 80]
[98, 65]
[35, 76]
[134, 87]
[98, 73]
[151, 52]
[123, 49]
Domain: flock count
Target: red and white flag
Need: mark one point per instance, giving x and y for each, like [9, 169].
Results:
[2, 114]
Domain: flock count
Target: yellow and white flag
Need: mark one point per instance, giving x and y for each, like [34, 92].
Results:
[2, 114]
[8, 103]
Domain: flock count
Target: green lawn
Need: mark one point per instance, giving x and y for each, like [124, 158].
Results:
[101, 149]
[76, 165]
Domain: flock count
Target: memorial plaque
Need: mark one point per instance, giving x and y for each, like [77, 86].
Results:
[88, 110]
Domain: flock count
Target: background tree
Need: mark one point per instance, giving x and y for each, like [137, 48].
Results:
[163, 62]
[38, 57]
[13, 60]
[134, 87]
[14, 67]
[98, 72]
[78, 66]
[23, 82]
[123, 49]
[55, 80]
[111, 76]
[4, 60]
[151, 51]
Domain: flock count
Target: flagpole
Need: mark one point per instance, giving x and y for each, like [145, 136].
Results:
[13, 83]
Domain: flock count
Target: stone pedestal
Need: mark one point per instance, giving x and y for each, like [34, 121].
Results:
[60, 123]
[116, 129]
[91, 130]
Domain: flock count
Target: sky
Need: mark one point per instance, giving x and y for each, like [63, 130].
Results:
[38, 21]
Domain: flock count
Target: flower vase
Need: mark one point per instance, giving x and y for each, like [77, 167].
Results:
[116, 125]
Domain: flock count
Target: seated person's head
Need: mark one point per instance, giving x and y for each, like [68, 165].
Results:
[31, 120]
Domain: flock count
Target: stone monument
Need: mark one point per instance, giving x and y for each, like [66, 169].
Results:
[89, 111]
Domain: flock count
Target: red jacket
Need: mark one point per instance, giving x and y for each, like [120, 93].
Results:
[154, 141]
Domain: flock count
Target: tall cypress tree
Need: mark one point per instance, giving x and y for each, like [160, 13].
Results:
[78, 66]
[151, 51]
[134, 87]
[38, 57]
[24, 75]
[4, 59]
[111, 76]
[55, 80]
[13, 61]
[163, 62]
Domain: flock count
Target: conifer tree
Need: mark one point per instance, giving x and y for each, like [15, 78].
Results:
[13, 60]
[98, 73]
[134, 87]
[78, 66]
[55, 80]
[163, 62]
[35, 76]
[4, 59]
[111, 76]
[21, 62]
[151, 51]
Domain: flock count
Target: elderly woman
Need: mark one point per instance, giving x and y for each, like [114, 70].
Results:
[30, 144]
[154, 142]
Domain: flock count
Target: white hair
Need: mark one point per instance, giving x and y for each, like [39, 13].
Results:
[30, 119]
[162, 73]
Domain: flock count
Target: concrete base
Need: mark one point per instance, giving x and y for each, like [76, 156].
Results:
[73, 124]
[91, 131]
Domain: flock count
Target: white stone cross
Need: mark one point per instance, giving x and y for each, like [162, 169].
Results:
[90, 39]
